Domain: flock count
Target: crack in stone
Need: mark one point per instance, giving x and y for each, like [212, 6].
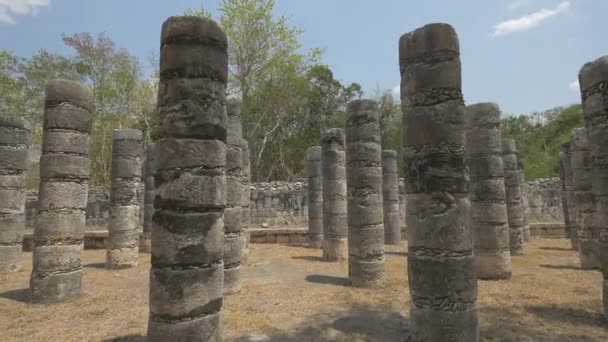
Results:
[438, 253]
[444, 303]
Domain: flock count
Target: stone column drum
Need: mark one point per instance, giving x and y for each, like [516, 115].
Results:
[565, 174]
[487, 192]
[593, 80]
[515, 207]
[335, 225]
[315, 196]
[441, 264]
[14, 144]
[123, 232]
[364, 179]
[524, 199]
[62, 196]
[390, 195]
[246, 198]
[187, 273]
[588, 237]
[402, 209]
[234, 239]
[145, 242]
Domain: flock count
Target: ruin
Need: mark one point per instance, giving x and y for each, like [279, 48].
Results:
[593, 80]
[441, 265]
[335, 225]
[364, 195]
[315, 197]
[14, 144]
[588, 239]
[487, 190]
[64, 182]
[145, 242]
[245, 198]
[565, 172]
[515, 207]
[187, 269]
[402, 205]
[525, 201]
[123, 239]
[390, 196]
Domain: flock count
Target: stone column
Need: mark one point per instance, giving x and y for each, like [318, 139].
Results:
[234, 239]
[593, 80]
[390, 196]
[565, 173]
[487, 190]
[187, 273]
[245, 198]
[588, 240]
[402, 210]
[335, 226]
[315, 197]
[364, 179]
[149, 171]
[441, 265]
[524, 194]
[515, 207]
[62, 196]
[14, 144]
[123, 232]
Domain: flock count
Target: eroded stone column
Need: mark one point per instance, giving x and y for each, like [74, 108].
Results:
[390, 193]
[234, 239]
[487, 190]
[593, 80]
[123, 232]
[364, 179]
[187, 273]
[335, 226]
[315, 197]
[14, 144]
[588, 236]
[515, 207]
[524, 198]
[402, 206]
[565, 174]
[441, 265]
[145, 243]
[245, 198]
[62, 197]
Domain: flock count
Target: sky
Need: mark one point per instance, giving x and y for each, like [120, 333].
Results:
[522, 54]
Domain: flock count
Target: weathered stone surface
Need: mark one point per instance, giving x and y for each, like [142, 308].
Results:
[315, 196]
[145, 239]
[335, 225]
[390, 201]
[515, 208]
[525, 201]
[245, 198]
[567, 192]
[441, 266]
[62, 198]
[14, 144]
[187, 276]
[365, 170]
[402, 210]
[488, 195]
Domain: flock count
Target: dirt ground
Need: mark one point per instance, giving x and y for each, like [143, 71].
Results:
[290, 295]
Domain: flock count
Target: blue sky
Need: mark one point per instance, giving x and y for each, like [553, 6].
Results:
[522, 54]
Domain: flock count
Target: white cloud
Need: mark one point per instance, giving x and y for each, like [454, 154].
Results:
[528, 21]
[9, 9]
[574, 86]
[396, 91]
[517, 4]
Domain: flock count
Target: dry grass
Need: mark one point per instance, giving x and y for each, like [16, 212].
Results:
[290, 295]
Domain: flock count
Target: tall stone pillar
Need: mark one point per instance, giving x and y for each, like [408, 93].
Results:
[588, 236]
[335, 226]
[145, 243]
[234, 239]
[441, 265]
[390, 195]
[487, 191]
[565, 174]
[123, 237]
[187, 273]
[315, 197]
[246, 198]
[524, 194]
[62, 196]
[402, 205]
[515, 207]
[364, 179]
[14, 144]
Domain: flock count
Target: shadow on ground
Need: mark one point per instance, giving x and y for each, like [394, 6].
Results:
[128, 338]
[564, 267]
[556, 249]
[568, 315]
[403, 254]
[327, 280]
[20, 295]
[96, 265]
[308, 258]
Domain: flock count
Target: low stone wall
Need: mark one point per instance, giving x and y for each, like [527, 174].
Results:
[279, 204]
[544, 200]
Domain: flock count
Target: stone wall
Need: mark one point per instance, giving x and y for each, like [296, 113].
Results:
[544, 200]
[279, 204]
